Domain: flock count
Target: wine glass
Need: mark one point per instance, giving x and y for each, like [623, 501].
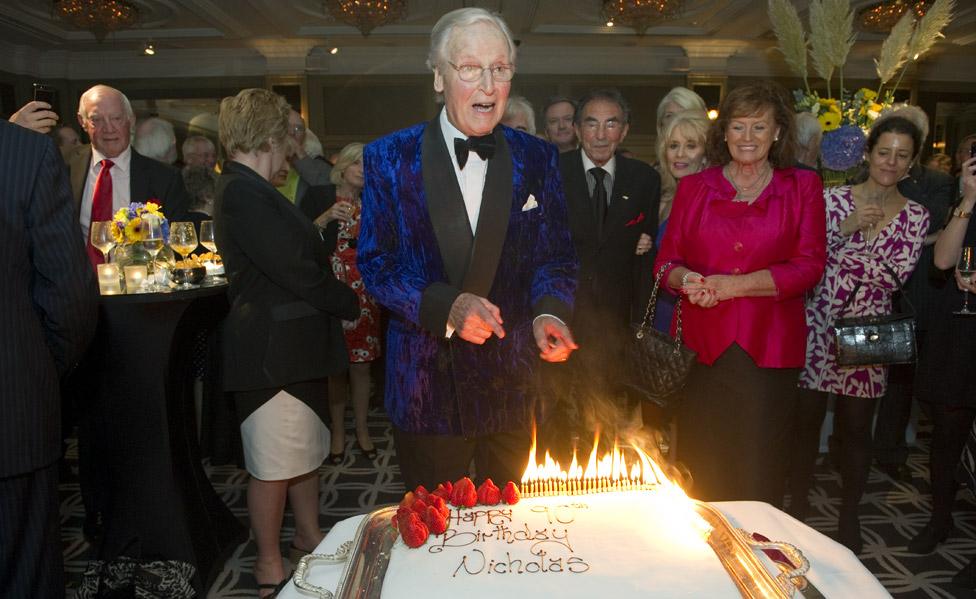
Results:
[208, 241]
[966, 268]
[101, 236]
[183, 239]
[153, 241]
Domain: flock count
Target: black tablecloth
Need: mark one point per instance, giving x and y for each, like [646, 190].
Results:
[145, 473]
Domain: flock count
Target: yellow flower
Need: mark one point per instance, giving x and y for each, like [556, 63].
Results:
[153, 208]
[121, 215]
[117, 234]
[829, 120]
[868, 94]
[135, 230]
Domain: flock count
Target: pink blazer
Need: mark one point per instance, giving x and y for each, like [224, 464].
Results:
[783, 230]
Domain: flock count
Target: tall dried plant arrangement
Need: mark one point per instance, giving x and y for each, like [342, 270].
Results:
[927, 32]
[894, 50]
[791, 37]
[820, 53]
[831, 37]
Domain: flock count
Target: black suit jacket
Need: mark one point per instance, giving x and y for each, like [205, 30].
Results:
[148, 180]
[48, 302]
[613, 280]
[283, 326]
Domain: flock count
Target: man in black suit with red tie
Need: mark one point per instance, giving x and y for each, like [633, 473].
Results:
[108, 174]
[611, 200]
[47, 316]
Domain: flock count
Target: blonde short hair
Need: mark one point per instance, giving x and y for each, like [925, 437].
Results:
[251, 119]
[347, 156]
[683, 97]
[691, 123]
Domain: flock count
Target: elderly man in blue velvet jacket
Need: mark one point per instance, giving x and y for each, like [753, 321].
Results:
[465, 240]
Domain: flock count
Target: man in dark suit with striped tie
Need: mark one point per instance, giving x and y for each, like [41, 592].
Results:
[48, 302]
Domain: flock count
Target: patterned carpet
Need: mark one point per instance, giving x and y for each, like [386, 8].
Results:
[892, 512]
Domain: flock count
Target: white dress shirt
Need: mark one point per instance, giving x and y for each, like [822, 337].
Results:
[471, 179]
[610, 167]
[121, 193]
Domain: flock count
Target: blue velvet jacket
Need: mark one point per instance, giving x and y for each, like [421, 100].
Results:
[417, 254]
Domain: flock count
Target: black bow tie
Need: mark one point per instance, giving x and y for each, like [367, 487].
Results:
[483, 146]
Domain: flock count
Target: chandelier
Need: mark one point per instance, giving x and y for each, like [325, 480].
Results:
[880, 17]
[101, 17]
[639, 14]
[366, 15]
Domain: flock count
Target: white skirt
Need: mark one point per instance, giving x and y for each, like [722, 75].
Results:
[283, 439]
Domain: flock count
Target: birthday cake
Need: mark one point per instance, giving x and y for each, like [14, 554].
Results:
[618, 544]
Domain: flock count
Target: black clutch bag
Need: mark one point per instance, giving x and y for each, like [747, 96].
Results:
[876, 340]
[658, 364]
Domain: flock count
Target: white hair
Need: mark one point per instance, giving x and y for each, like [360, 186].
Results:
[442, 35]
[101, 90]
[312, 145]
[807, 128]
[913, 114]
[156, 139]
[683, 97]
[516, 105]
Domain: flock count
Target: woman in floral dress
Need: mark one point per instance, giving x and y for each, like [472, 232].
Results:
[362, 335]
[871, 228]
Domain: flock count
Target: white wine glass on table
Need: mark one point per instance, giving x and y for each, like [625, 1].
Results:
[208, 241]
[183, 240]
[153, 242]
[102, 237]
[966, 267]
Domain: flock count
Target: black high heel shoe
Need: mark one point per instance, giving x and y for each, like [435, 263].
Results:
[336, 459]
[929, 538]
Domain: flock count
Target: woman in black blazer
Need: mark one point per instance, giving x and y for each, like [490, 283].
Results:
[283, 336]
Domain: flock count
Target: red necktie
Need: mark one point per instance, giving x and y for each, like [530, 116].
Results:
[101, 206]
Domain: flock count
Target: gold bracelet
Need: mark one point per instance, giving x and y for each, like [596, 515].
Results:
[962, 214]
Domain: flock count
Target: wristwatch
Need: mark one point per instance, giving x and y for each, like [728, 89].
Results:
[961, 213]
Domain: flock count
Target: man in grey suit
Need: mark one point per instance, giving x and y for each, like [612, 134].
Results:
[47, 317]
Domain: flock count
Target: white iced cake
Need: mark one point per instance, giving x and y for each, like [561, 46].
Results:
[619, 544]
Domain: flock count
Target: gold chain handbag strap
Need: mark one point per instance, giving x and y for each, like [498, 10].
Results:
[652, 306]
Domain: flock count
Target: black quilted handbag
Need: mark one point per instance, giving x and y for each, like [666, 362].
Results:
[876, 340]
[658, 364]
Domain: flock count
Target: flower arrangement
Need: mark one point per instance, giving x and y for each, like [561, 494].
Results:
[130, 223]
[846, 117]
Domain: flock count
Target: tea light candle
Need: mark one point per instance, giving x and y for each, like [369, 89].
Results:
[108, 279]
[135, 276]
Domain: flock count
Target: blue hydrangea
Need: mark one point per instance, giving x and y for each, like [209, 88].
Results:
[842, 148]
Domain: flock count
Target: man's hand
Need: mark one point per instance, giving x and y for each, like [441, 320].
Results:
[35, 115]
[475, 319]
[644, 244]
[553, 338]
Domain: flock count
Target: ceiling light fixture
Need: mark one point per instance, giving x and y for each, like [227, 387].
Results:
[880, 17]
[640, 14]
[149, 49]
[366, 15]
[101, 17]
[334, 50]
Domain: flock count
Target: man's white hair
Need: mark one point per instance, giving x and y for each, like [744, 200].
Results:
[156, 139]
[101, 90]
[442, 35]
[516, 105]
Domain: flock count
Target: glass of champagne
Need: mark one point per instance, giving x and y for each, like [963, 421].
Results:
[183, 239]
[208, 241]
[101, 236]
[966, 268]
[153, 242]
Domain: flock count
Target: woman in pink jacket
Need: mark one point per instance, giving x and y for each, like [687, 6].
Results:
[745, 242]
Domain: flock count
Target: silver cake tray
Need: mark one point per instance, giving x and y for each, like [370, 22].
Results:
[368, 554]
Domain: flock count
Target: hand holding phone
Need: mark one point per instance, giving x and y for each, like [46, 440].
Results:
[43, 93]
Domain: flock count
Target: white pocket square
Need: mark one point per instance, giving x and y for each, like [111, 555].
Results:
[530, 204]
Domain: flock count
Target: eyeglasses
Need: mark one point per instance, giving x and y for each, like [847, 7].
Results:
[469, 73]
[99, 121]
